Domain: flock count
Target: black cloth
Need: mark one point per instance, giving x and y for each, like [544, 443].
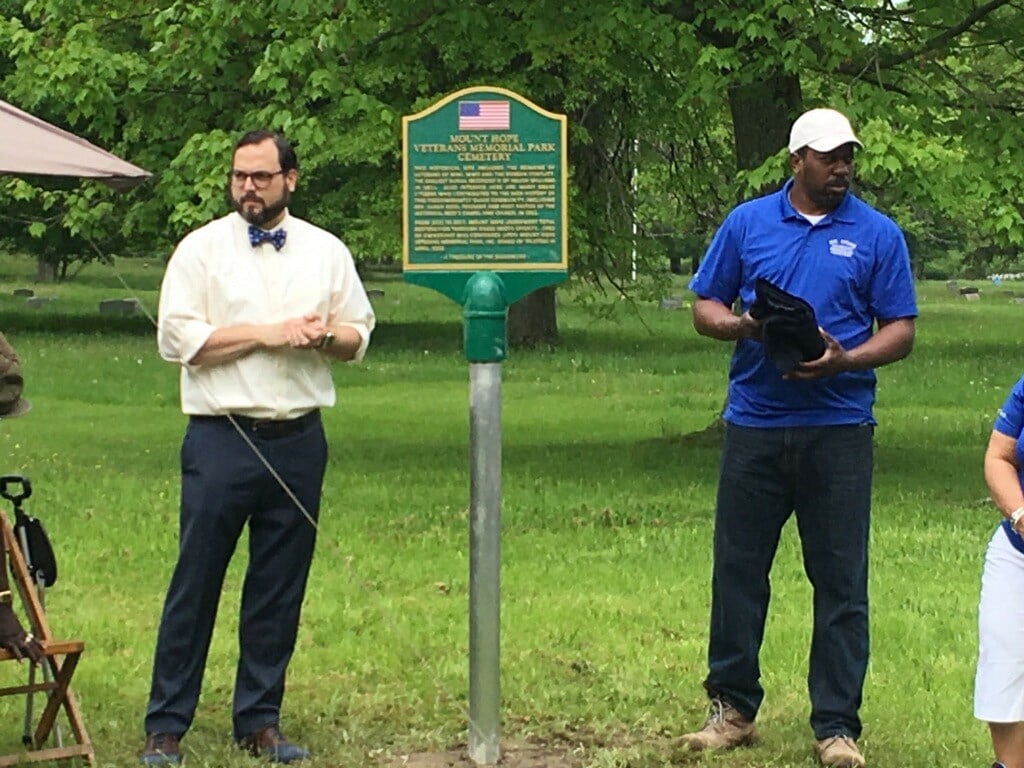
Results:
[789, 328]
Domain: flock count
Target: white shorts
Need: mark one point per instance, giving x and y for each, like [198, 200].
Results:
[999, 680]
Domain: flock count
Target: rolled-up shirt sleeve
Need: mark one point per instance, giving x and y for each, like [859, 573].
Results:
[183, 326]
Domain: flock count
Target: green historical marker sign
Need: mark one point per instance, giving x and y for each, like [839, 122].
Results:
[484, 223]
[484, 190]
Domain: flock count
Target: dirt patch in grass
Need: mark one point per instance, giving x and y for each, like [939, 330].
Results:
[569, 746]
[512, 756]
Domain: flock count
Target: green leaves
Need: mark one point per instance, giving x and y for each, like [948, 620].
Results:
[649, 87]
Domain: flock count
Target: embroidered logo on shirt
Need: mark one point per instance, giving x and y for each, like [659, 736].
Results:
[841, 247]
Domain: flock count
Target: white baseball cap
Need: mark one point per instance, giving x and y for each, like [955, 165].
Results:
[822, 130]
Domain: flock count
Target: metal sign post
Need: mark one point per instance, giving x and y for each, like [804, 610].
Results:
[484, 313]
[484, 176]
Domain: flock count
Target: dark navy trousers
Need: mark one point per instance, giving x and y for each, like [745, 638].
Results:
[823, 474]
[225, 486]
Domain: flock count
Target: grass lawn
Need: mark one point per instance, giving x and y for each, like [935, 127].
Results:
[608, 490]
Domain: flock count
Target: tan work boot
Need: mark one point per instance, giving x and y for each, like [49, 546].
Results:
[725, 728]
[839, 752]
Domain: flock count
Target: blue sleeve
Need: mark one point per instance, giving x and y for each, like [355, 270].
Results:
[720, 271]
[892, 284]
[1010, 419]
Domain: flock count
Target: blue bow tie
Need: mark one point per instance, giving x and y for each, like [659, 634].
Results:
[275, 238]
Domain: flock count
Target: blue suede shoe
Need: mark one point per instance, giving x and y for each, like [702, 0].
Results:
[270, 743]
[161, 749]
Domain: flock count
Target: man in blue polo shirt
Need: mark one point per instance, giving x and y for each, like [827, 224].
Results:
[800, 441]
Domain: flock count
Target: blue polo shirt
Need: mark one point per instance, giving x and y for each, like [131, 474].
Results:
[852, 267]
[1010, 422]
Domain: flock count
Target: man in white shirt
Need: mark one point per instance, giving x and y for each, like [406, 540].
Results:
[253, 307]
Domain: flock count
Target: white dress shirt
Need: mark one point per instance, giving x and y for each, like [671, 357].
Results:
[216, 279]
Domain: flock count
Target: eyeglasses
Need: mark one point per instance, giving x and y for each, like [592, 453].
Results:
[259, 179]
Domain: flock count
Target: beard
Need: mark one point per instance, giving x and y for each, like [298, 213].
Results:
[256, 210]
[827, 199]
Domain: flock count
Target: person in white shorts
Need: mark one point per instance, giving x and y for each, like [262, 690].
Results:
[999, 681]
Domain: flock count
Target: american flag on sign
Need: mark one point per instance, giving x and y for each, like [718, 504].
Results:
[483, 115]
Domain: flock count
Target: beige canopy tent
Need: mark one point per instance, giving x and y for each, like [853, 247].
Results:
[33, 146]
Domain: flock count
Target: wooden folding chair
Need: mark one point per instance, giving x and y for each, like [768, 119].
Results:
[61, 658]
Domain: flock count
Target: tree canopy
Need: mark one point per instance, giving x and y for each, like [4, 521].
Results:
[676, 110]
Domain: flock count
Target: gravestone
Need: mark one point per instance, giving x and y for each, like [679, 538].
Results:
[670, 302]
[37, 302]
[968, 291]
[972, 296]
[24, 292]
[375, 293]
[952, 285]
[119, 306]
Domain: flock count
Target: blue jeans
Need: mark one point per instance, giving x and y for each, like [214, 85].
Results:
[823, 474]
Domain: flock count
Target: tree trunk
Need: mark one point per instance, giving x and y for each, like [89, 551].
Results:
[762, 113]
[532, 319]
[45, 272]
